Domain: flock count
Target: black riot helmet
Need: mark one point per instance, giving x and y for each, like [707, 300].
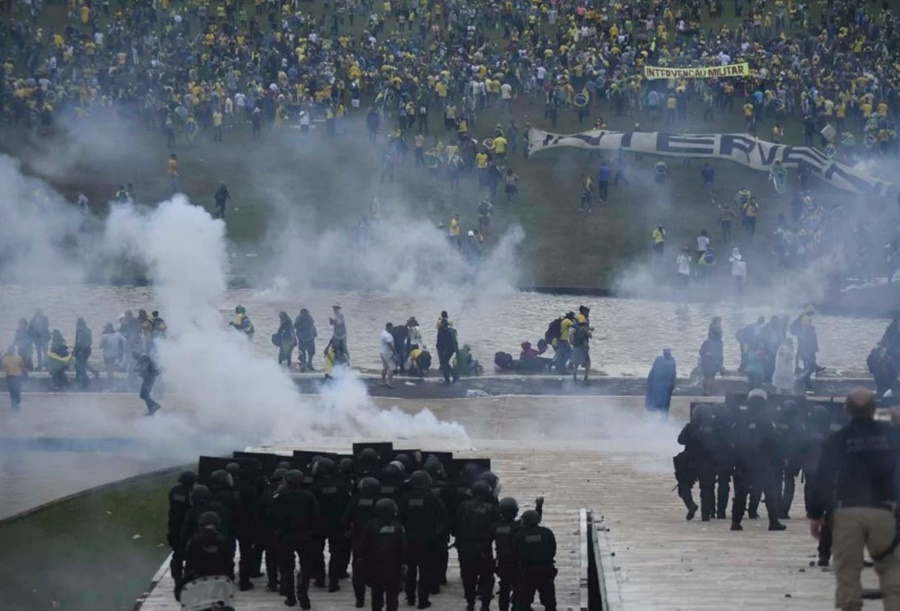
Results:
[420, 479]
[221, 479]
[369, 487]
[509, 508]
[293, 478]
[187, 478]
[278, 474]
[702, 412]
[481, 490]
[200, 493]
[404, 460]
[368, 456]
[233, 468]
[210, 518]
[531, 518]
[324, 467]
[386, 509]
[434, 468]
[470, 473]
[492, 480]
[345, 466]
[284, 464]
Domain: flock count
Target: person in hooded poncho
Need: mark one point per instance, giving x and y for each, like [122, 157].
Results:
[661, 383]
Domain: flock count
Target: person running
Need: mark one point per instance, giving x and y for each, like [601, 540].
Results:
[148, 372]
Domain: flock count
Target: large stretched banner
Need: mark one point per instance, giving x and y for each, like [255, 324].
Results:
[661, 72]
[741, 148]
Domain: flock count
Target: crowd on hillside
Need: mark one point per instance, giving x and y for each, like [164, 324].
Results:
[201, 66]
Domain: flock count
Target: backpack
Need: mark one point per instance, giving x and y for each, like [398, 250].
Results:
[503, 360]
[580, 337]
[554, 330]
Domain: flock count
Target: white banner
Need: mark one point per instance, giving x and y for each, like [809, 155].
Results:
[741, 148]
[701, 72]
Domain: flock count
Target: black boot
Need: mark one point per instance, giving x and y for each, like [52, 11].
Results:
[776, 525]
[736, 526]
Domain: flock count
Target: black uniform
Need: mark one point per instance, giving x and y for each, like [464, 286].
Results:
[474, 519]
[818, 429]
[358, 513]
[535, 551]
[382, 550]
[207, 553]
[179, 505]
[269, 539]
[791, 437]
[333, 495]
[192, 521]
[424, 516]
[297, 517]
[246, 522]
[756, 464]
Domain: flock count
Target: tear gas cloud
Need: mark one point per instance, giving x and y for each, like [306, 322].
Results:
[219, 393]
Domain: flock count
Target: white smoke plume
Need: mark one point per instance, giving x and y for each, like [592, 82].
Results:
[212, 377]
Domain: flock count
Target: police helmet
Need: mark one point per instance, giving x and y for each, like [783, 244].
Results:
[369, 486]
[188, 478]
[509, 508]
[345, 465]
[221, 479]
[401, 468]
[209, 518]
[470, 471]
[391, 471]
[368, 455]
[233, 468]
[531, 518]
[200, 493]
[386, 509]
[284, 464]
[324, 467]
[434, 468]
[481, 490]
[420, 479]
[294, 477]
[492, 480]
[279, 474]
[404, 460]
[702, 412]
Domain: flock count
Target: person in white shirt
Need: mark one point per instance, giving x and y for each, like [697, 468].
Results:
[388, 356]
[702, 244]
[738, 269]
[683, 264]
[506, 96]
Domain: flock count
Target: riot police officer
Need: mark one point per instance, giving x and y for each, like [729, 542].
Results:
[756, 463]
[201, 503]
[503, 533]
[245, 521]
[179, 505]
[423, 515]
[333, 494]
[383, 549]
[444, 491]
[702, 441]
[208, 552]
[819, 427]
[473, 523]
[268, 527]
[535, 549]
[297, 515]
[360, 510]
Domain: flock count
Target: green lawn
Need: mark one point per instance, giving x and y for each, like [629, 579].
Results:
[329, 184]
[82, 554]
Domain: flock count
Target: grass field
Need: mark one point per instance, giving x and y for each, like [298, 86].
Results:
[94, 552]
[330, 183]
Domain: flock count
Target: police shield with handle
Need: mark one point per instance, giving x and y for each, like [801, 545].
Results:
[856, 476]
